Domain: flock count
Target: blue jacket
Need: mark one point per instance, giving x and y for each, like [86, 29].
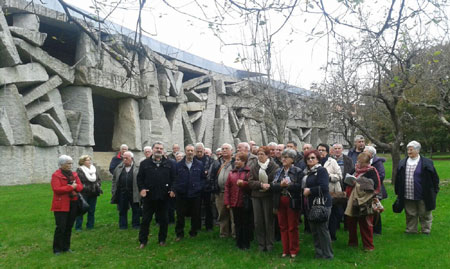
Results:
[313, 181]
[189, 182]
[377, 162]
[353, 154]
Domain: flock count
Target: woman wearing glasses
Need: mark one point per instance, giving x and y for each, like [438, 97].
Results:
[315, 184]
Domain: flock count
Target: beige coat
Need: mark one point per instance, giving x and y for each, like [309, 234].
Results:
[335, 173]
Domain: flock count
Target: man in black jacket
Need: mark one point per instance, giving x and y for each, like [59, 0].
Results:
[155, 178]
[116, 160]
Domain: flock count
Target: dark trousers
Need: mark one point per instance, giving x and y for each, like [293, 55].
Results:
[92, 201]
[243, 226]
[337, 211]
[288, 222]
[365, 228]
[150, 207]
[377, 224]
[125, 202]
[206, 210]
[185, 206]
[64, 222]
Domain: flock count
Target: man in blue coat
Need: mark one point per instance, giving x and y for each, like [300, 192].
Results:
[188, 188]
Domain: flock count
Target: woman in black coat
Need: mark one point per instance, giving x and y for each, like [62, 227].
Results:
[316, 184]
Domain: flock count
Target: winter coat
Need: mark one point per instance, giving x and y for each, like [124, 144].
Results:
[430, 182]
[234, 195]
[115, 161]
[378, 164]
[63, 192]
[207, 163]
[335, 174]
[353, 154]
[189, 182]
[294, 188]
[214, 174]
[156, 178]
[313, 181]
[115, 183]
[255, 184]
[90, 189]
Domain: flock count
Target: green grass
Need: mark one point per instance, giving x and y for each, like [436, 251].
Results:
[441, 163]
[27, 225]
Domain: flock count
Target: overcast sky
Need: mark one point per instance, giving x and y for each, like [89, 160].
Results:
[299, 61]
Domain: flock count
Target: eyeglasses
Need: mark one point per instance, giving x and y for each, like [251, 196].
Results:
[320, 150]
[310, 158]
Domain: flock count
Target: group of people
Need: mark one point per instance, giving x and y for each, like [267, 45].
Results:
[259, 192]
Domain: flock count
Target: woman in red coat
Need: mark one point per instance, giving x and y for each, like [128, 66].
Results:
[65, 185]
[237, 197]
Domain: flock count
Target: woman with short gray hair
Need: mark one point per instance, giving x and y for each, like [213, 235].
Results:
[65, 185]
[286, 188]
[417, 185]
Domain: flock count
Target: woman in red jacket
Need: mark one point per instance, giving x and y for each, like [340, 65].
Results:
[65, 185]
[237, 197]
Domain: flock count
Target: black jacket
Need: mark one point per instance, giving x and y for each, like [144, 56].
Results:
[430, 182]
[213, 174]
[190, 182]
[157, 178]
[90, 189]
[294, 189]
[115, 161]
[313, 181]
[207, 163]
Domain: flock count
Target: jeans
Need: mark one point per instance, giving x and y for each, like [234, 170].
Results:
[125, 202]
[92, 201]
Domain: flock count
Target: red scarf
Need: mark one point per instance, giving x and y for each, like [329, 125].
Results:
[119, 155]
[361, 171]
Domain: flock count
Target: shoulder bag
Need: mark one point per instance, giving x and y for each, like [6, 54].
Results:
[318, 212]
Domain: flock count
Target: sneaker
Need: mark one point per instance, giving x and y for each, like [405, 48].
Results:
[57, 253]
[293, 256]
[141, 246]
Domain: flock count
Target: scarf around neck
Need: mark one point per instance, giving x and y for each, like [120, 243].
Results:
[262, 175]
[90, 173]
[362, 170]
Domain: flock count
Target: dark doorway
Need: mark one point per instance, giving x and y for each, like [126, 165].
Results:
[105, 110]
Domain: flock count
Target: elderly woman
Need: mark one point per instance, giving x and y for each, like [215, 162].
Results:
[417, 185]
[334, 186]
[91, 190]
[286, 189]
[236, 198]
[366, 186]
[261, 175]
[315, 184]
[65, 185]
[377, 163]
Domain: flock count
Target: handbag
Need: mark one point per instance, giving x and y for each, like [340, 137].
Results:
[82, 205]
[339, 197]
[318, 212]
[295, 203]
[377, 206]
[398, 205]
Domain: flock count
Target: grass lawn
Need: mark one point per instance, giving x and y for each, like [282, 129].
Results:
[27, 225]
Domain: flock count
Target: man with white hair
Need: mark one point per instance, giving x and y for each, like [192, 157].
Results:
[273, 148]
[278, 150]
[125, 192]
[208, 152]
[360, 144]
[173, 154]
[117, 159]
[244, 147]
[205, 198]
[377, 162]
[416, 187]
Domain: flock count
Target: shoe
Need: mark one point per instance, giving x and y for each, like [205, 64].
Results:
[293, 255]
[141, 246]
[57, 253]
[178, 239]
[68, 251]
[284, 255]
[369, 249]
[162, 244]
[136, 227]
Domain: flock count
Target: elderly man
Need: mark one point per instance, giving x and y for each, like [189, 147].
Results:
[205, 202]
[147, 153]
[273, 149]
[155, 178]
[175, 149]
[360, 144]
[278, 150]
[377, 162]
[417, 185]
[117, 159]
[244, 147]
[302, 164]
[219, 174]
[125, 192]
[345, 162]
[293, 145]
[188, 188]
[208, 152]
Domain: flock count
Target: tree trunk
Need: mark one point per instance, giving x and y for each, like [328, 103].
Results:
[396, 157]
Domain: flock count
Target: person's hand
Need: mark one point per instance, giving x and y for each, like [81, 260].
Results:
[74, 185]
[143, 192]
[306, 192]
[228, 206]
[266, 186]
[239, 182]
[171, 194]
[284, 183]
